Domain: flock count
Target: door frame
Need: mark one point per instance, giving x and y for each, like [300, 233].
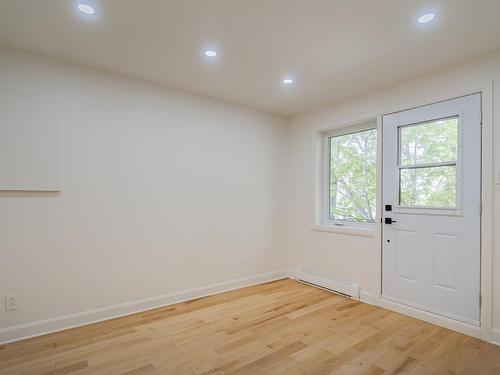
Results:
[483, 332]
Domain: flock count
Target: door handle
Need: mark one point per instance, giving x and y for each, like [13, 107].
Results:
[389, 220]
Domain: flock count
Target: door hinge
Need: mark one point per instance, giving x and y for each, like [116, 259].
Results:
[480, 209]
[480, 299]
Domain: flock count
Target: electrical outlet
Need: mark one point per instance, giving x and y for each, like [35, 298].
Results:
[242, 263]
[11, 302]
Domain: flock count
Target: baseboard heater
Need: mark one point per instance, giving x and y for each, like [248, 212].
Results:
[336, 286]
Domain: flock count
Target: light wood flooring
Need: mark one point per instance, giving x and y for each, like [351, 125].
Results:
[282, 327]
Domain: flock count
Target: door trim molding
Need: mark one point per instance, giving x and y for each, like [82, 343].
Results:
[495, 339]
[484, 332]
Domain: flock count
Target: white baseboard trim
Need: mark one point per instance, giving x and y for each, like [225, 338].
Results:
[367, 297]
[60, 323]
[371, 298]
[495, 336]
[455, 325]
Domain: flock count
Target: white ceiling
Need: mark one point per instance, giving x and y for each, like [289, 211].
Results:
[333, 48]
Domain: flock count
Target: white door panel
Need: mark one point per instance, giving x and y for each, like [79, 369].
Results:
[446, 252]
[432, 181]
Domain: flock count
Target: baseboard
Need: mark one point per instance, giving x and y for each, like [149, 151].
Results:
[367, 297]
[455, 325]
[495, 336]
[60, 323]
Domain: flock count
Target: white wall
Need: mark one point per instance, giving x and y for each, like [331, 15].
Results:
[161, 191]
[164, 191]
[354, 258]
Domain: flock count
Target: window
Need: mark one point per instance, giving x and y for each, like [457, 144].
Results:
[350, 177]
[428, 164]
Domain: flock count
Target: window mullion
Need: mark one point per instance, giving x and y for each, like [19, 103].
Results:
[428, 165]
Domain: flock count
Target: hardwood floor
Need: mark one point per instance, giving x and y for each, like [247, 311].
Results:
[283, 327]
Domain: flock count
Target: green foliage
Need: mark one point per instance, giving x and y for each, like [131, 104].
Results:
[353, 176]
[431, 142]
[353, 169]
[428, 187]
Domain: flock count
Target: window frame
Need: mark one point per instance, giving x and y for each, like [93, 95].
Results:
[431, 210]
[326, 175]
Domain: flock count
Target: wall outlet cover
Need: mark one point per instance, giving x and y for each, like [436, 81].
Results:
[11, 302]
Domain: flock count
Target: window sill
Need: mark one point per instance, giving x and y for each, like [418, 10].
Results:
[348, 230]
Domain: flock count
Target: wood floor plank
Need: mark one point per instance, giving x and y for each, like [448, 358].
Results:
[281, 327]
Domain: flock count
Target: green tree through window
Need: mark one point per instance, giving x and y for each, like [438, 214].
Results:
[428, 157]
[353, 176]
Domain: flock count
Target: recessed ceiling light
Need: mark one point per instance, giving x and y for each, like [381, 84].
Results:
[428, 17]
[210, 53]
[287, 81]
[86, 8]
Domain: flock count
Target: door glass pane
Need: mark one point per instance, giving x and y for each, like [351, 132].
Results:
[428, 187]
[429, 142]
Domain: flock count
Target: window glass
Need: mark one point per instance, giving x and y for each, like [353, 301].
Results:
[430, 142]
[352, 193]
[428, 187]
[428, 164]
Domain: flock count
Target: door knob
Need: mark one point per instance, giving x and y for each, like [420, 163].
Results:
[388, 220]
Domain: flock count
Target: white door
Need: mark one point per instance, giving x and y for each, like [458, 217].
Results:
[432, 208]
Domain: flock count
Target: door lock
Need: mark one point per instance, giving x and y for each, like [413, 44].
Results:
[389, 220]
